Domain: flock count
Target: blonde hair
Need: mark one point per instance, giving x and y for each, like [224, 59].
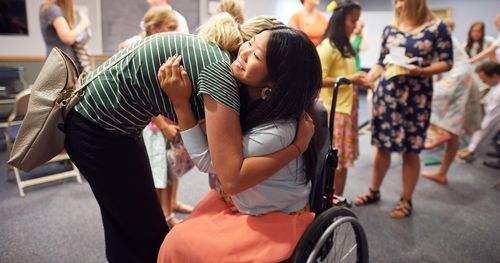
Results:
[222, 30]
[450, 23]
[257, 24]
[233, 7]
[415, 11]
[156, 16]
[67, 8]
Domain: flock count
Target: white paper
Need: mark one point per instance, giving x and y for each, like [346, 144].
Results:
[397, 57]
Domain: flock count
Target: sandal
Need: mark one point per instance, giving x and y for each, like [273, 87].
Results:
[182, 208]
[172, 220]
[402, 210]
[369, 198]
[465, 155]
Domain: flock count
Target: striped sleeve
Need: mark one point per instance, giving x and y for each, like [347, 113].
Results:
[217, 81]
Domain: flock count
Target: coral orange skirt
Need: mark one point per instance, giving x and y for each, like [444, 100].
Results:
[216, 233]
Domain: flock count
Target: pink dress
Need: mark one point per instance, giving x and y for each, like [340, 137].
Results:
[233, 236]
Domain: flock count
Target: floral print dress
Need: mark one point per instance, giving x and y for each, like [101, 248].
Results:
[402, 103]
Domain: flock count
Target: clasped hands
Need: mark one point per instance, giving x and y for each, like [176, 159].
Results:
[361, 79]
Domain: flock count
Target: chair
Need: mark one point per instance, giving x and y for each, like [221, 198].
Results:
[11, 82]
[335, 235]
[13, 124]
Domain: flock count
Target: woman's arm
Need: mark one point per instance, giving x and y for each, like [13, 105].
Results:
[170, 131]
[436, 68]
[490, 51]
[65, 33]
[443, 48]
[375, 72]
[358, 79]
[234, 172]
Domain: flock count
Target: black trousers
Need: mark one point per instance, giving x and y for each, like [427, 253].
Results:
[118, 171]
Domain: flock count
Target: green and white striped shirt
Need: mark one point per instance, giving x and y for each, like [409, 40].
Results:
[124, 97]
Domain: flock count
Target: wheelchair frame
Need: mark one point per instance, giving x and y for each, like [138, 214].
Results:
[319, 238]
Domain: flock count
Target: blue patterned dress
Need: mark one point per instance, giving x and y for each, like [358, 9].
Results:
[402, 104]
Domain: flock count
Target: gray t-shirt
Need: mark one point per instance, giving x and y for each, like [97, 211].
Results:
[47, 17]
[286, 191]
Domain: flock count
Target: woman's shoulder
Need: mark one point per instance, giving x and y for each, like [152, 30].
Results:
[297, 15]
[327, 43]
[50, 8]
[321, 17]
[435, 25]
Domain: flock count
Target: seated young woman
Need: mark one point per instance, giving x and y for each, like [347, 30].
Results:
[261, 219]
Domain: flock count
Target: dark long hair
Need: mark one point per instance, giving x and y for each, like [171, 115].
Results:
[470, 42]
[336, 28]
[295, 72]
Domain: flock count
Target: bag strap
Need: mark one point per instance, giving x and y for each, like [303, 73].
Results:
[110, 65]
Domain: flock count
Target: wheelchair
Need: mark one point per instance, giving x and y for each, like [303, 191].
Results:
[335, 235]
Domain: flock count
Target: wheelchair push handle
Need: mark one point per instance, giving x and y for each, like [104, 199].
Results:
[342, 81]
[339, 81]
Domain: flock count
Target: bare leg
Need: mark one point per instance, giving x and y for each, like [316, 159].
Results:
[411, 169]
[449, 154]
[340, 179]
[381, 164]
[168, 200]
[169, 192]
[162, 196]
[175, 186]
[176, 205]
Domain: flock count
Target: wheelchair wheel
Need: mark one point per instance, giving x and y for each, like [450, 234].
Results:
[334, 236]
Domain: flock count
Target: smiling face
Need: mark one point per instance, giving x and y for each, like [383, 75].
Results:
[250, 66]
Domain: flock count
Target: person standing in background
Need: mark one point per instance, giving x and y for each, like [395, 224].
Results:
[476, 39]
[310, 21]
[182, 26]
[161, 130]
[455, 108]
[492, 50]
[234, 7]
[337, 59]
[402, 102]
[57, 23]
[313, 23]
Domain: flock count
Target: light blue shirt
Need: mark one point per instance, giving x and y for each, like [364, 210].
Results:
[285, 191]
